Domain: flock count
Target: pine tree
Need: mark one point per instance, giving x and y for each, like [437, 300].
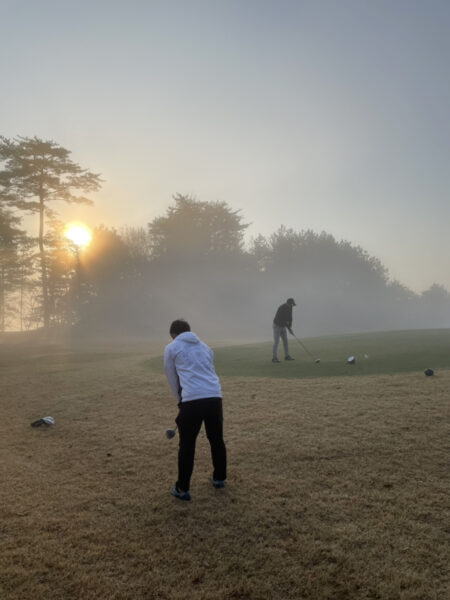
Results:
[36, 173]
[10, 239]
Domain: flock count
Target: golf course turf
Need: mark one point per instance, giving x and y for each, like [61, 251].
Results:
[376, 353]
[337, 487]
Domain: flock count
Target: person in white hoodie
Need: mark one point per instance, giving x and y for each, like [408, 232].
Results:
[189, 368]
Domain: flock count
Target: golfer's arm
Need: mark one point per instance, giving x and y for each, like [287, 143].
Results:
[289, 320]
[171, 375]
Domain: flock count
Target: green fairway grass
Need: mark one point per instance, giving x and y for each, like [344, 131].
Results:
[386, 352]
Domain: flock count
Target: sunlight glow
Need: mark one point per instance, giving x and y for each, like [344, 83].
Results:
[78, 234]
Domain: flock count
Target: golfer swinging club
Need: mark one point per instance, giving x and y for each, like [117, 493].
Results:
[281, 322]
[189, 368]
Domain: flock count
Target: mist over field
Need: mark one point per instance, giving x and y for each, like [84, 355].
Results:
[194, 262]
[297, 149]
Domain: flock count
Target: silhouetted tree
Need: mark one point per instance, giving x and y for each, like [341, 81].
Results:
[36, 173]
[28, 287]
[10, 239]
[109, 300]
[137, 241]
[199, 265]
[62, 275]
[435, 306]
[194, 229]
[337, 285]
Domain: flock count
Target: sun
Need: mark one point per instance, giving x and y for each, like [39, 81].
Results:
[78, 234]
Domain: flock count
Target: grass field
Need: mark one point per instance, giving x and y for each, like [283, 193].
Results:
[375, 353]
[338, 484]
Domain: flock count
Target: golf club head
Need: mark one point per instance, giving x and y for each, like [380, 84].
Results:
[351, 360]
[317, 361]
[170, 433]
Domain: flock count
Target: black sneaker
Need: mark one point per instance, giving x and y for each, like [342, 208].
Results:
[275, 360]
[217, 483]
[179, 494]
[288, 357]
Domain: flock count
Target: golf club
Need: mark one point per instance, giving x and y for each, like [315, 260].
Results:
[316, 360]
[170, 433]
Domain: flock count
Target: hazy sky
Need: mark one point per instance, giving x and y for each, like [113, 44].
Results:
[323, 115]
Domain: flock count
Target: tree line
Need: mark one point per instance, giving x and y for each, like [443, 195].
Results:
[193, 262]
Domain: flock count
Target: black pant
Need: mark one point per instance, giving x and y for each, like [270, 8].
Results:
[189, 421]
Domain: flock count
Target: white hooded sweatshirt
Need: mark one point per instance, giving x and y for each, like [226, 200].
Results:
[189, 368]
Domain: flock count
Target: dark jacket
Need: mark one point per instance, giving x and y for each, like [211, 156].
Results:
[283, 317]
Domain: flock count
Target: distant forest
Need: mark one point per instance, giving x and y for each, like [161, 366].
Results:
[191, 262]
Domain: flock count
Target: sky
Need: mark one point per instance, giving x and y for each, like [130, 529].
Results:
[330, 115]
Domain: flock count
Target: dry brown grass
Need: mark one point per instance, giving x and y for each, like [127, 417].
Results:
[338, 488]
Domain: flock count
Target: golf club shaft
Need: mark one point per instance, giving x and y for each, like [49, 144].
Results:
[304, 347]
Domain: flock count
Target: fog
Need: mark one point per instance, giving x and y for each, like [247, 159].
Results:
[319, 128]
[314, 115]
[193, 263]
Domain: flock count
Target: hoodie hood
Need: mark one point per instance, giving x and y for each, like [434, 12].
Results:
[188, 337]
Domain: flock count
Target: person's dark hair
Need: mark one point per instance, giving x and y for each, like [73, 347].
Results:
[179, 326]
